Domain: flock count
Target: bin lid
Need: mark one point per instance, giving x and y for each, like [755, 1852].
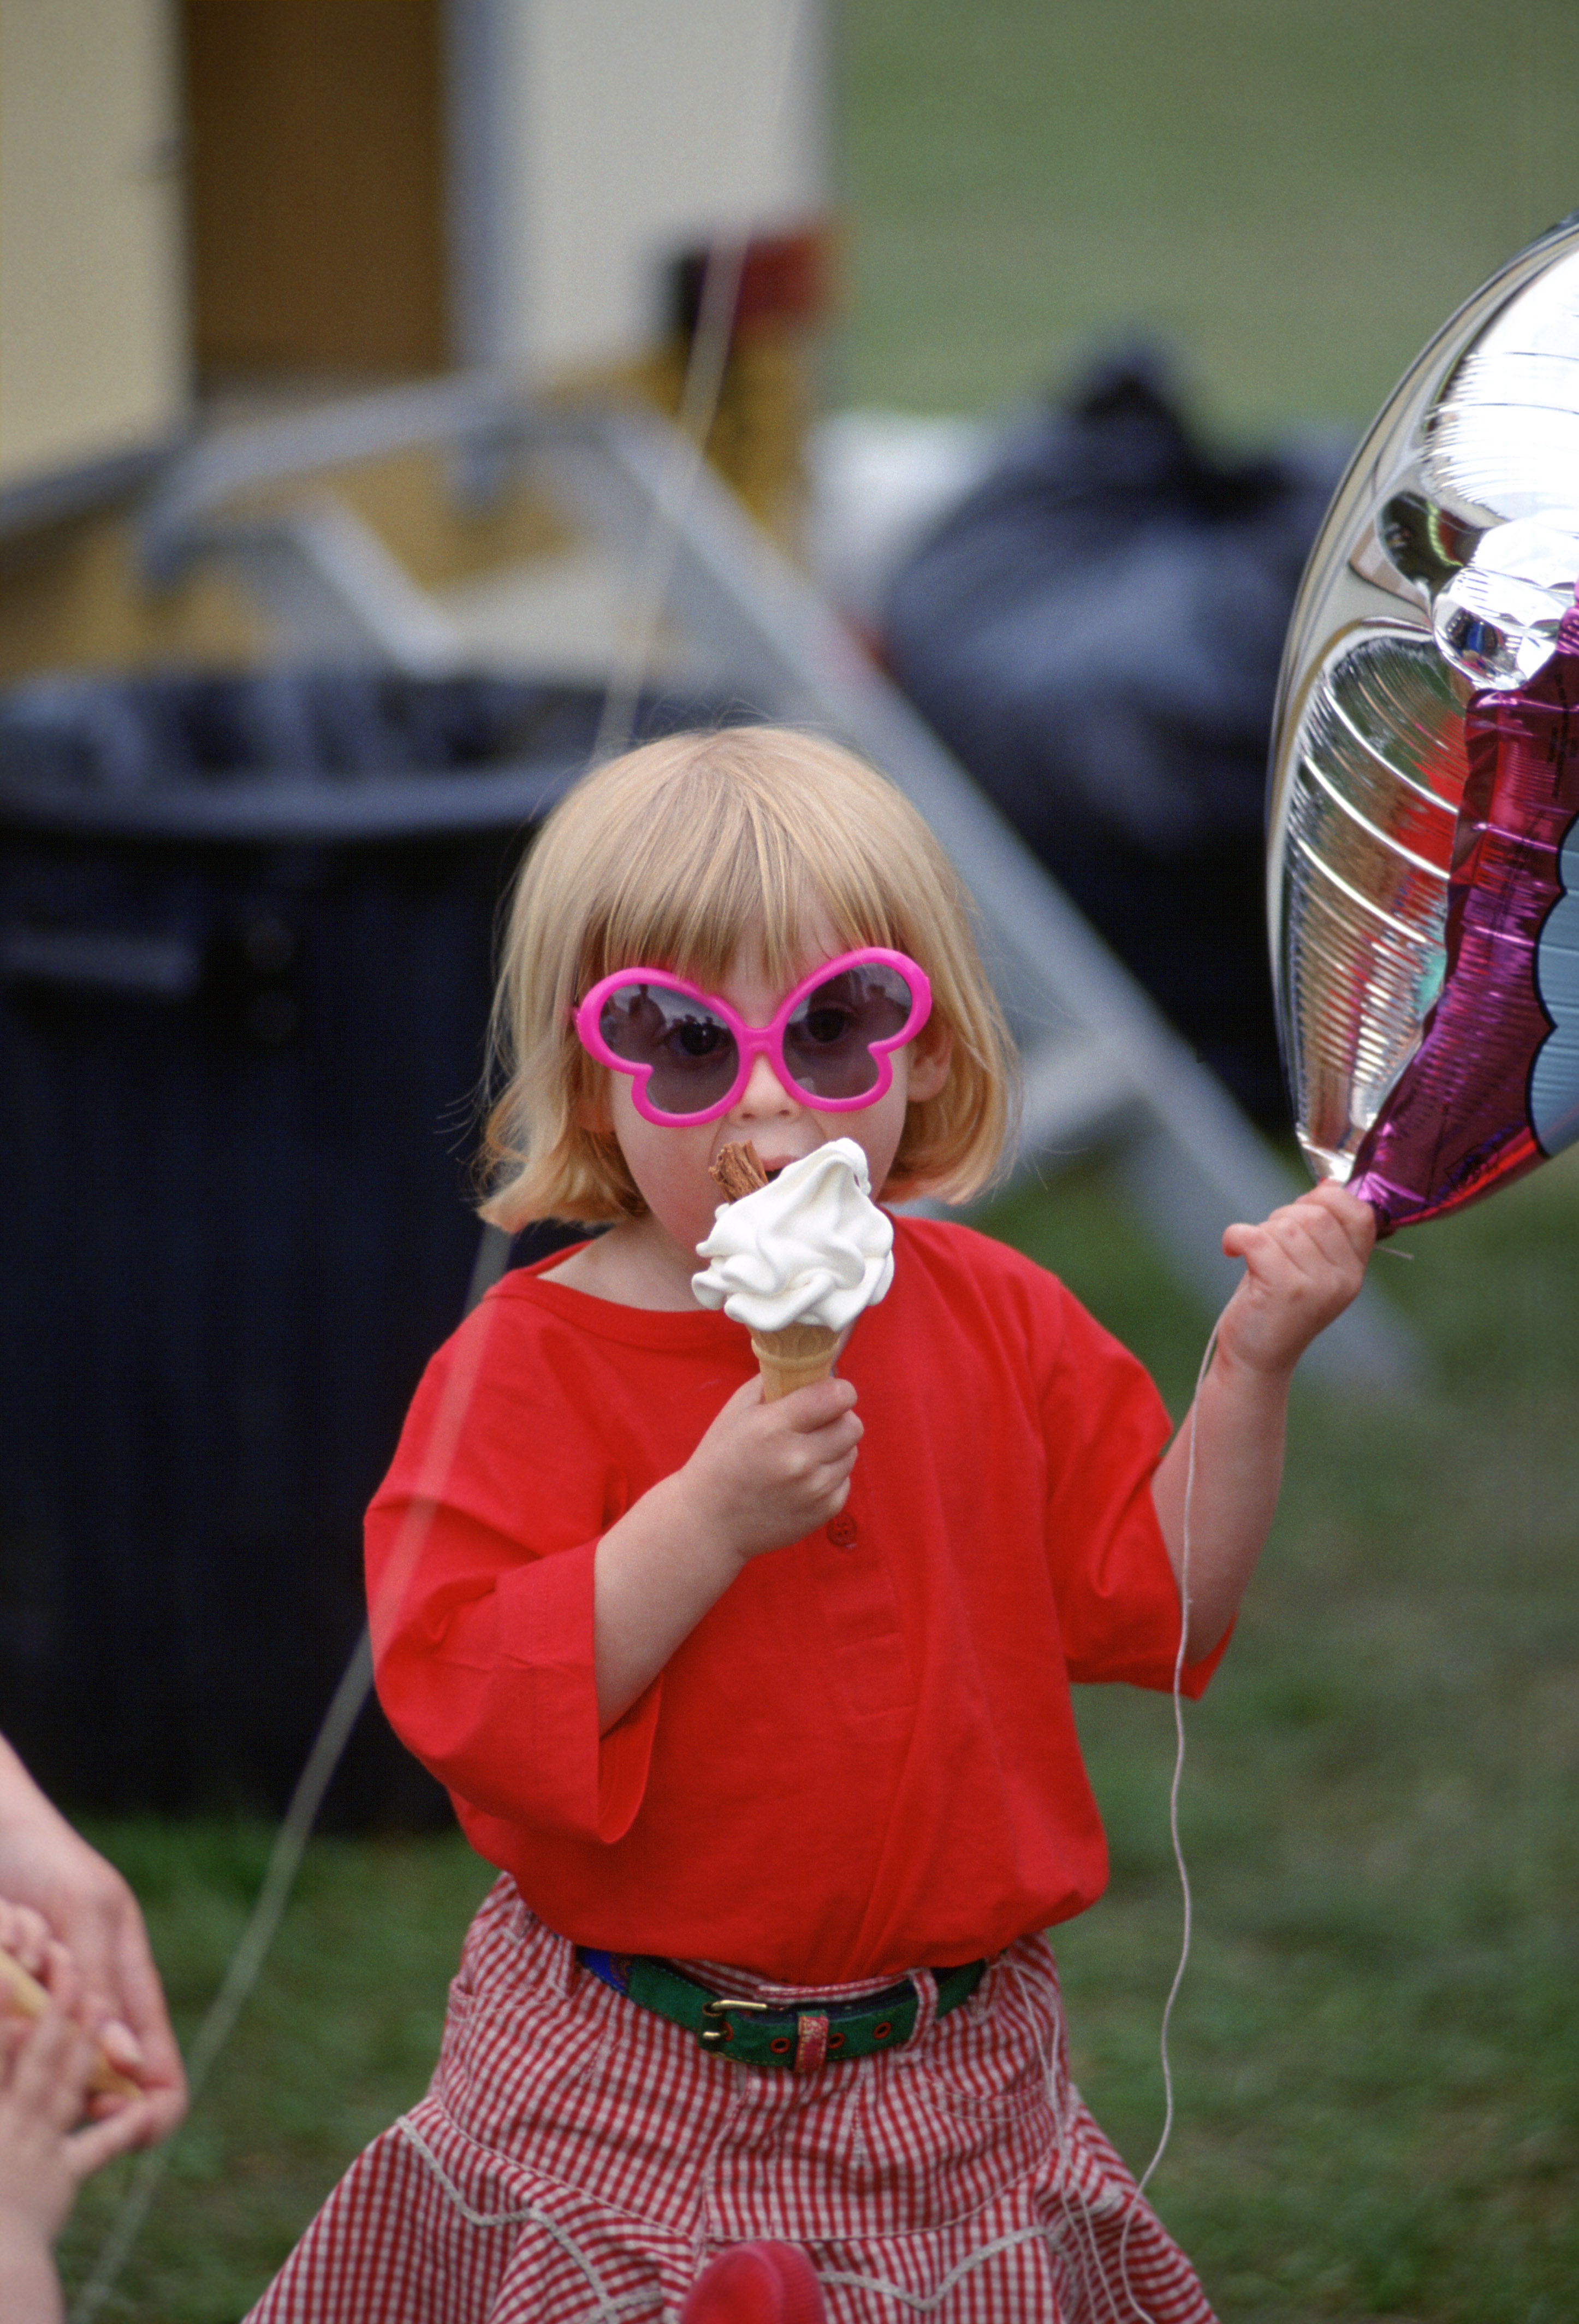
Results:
[297, 755]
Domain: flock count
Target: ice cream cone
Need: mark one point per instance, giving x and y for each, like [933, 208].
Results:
[795, 1257]
[22, 1995]
[794, 1358]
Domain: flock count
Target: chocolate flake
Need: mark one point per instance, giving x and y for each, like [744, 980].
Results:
[737, 1171]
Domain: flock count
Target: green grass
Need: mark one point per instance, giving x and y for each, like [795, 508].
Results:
[1377, 2051]
[1378, 2076]
[1295, 192]
[340, 2036]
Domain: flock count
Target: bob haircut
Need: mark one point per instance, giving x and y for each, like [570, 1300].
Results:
[677, 856]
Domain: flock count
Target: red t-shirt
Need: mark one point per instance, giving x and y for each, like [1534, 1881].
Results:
[863, 1759]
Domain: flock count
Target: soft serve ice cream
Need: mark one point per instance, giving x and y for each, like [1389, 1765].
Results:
[798, 1259]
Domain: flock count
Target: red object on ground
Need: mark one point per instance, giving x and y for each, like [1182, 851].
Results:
[784, 277]
[756, 2283]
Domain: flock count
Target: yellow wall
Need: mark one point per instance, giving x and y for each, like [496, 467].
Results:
[92, 323]
[629, 132]
[610, 136]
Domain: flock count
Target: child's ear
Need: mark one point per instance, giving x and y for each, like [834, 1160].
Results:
[930, 1052]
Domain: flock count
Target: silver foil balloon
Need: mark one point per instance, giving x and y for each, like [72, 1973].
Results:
[1427, 635]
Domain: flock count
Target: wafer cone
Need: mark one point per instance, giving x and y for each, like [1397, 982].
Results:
[793, 1358]
[22, 1995]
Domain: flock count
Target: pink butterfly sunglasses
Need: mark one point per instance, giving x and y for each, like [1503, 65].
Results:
[690, 1055]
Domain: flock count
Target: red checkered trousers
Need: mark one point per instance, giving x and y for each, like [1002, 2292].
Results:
[578, 2160]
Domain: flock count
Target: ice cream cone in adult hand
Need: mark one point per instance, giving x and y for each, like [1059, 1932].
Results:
[796, 1258]
[22, 1995]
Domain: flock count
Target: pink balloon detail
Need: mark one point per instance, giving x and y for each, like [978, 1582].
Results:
[1459, 1120]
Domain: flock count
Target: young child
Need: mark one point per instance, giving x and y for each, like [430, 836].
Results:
[47, 2149]
[763, 1708]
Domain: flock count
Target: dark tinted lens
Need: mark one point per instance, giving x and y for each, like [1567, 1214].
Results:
[827, 1043]
[692, 1054]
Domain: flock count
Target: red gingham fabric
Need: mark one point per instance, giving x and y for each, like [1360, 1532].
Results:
[578, 2160]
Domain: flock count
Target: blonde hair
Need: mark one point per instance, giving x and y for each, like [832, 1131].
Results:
[675, 856]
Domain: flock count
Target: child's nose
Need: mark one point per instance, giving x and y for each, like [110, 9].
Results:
[764, 1094]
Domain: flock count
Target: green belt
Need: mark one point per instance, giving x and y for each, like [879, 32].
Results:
[764, 2034]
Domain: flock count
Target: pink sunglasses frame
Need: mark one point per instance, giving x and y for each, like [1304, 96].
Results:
[752, 1041]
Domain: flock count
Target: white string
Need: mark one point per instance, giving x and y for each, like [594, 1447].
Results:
[924, 2302]
[1173, 1798]
[253, 1947]
[243, 1967]
[610, 2308]
[706, 362]
[703, 383]
[1087, 2264]
[637, 637]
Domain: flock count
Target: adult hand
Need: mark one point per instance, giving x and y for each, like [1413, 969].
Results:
[46, 1866]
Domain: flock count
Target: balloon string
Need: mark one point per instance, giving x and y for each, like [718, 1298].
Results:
[700, 393]
[243, 1967]
[1175, 1787]
[252, 1949]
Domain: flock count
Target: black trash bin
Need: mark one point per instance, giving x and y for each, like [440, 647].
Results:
[246, 937]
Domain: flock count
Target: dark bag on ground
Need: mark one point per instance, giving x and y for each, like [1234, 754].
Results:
[1095, 632]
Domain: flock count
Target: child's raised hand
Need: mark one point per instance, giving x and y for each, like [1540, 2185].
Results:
[764, 1475]
[1302, 1267]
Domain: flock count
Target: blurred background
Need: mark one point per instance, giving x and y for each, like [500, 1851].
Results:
[1032, 338]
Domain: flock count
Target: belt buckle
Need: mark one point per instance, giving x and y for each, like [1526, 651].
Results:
[716, 2033]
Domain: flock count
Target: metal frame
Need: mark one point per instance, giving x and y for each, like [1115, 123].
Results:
[1102, 1067]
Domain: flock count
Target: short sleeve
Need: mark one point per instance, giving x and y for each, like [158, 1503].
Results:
[1106, 1429]
[480, 1552]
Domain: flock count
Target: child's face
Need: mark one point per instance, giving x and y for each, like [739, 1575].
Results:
[670, 1164]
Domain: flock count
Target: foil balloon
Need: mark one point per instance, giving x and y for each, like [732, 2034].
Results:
[1424, 845]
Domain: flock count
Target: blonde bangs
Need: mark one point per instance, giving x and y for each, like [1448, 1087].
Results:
[731, 853]
[677, 856]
